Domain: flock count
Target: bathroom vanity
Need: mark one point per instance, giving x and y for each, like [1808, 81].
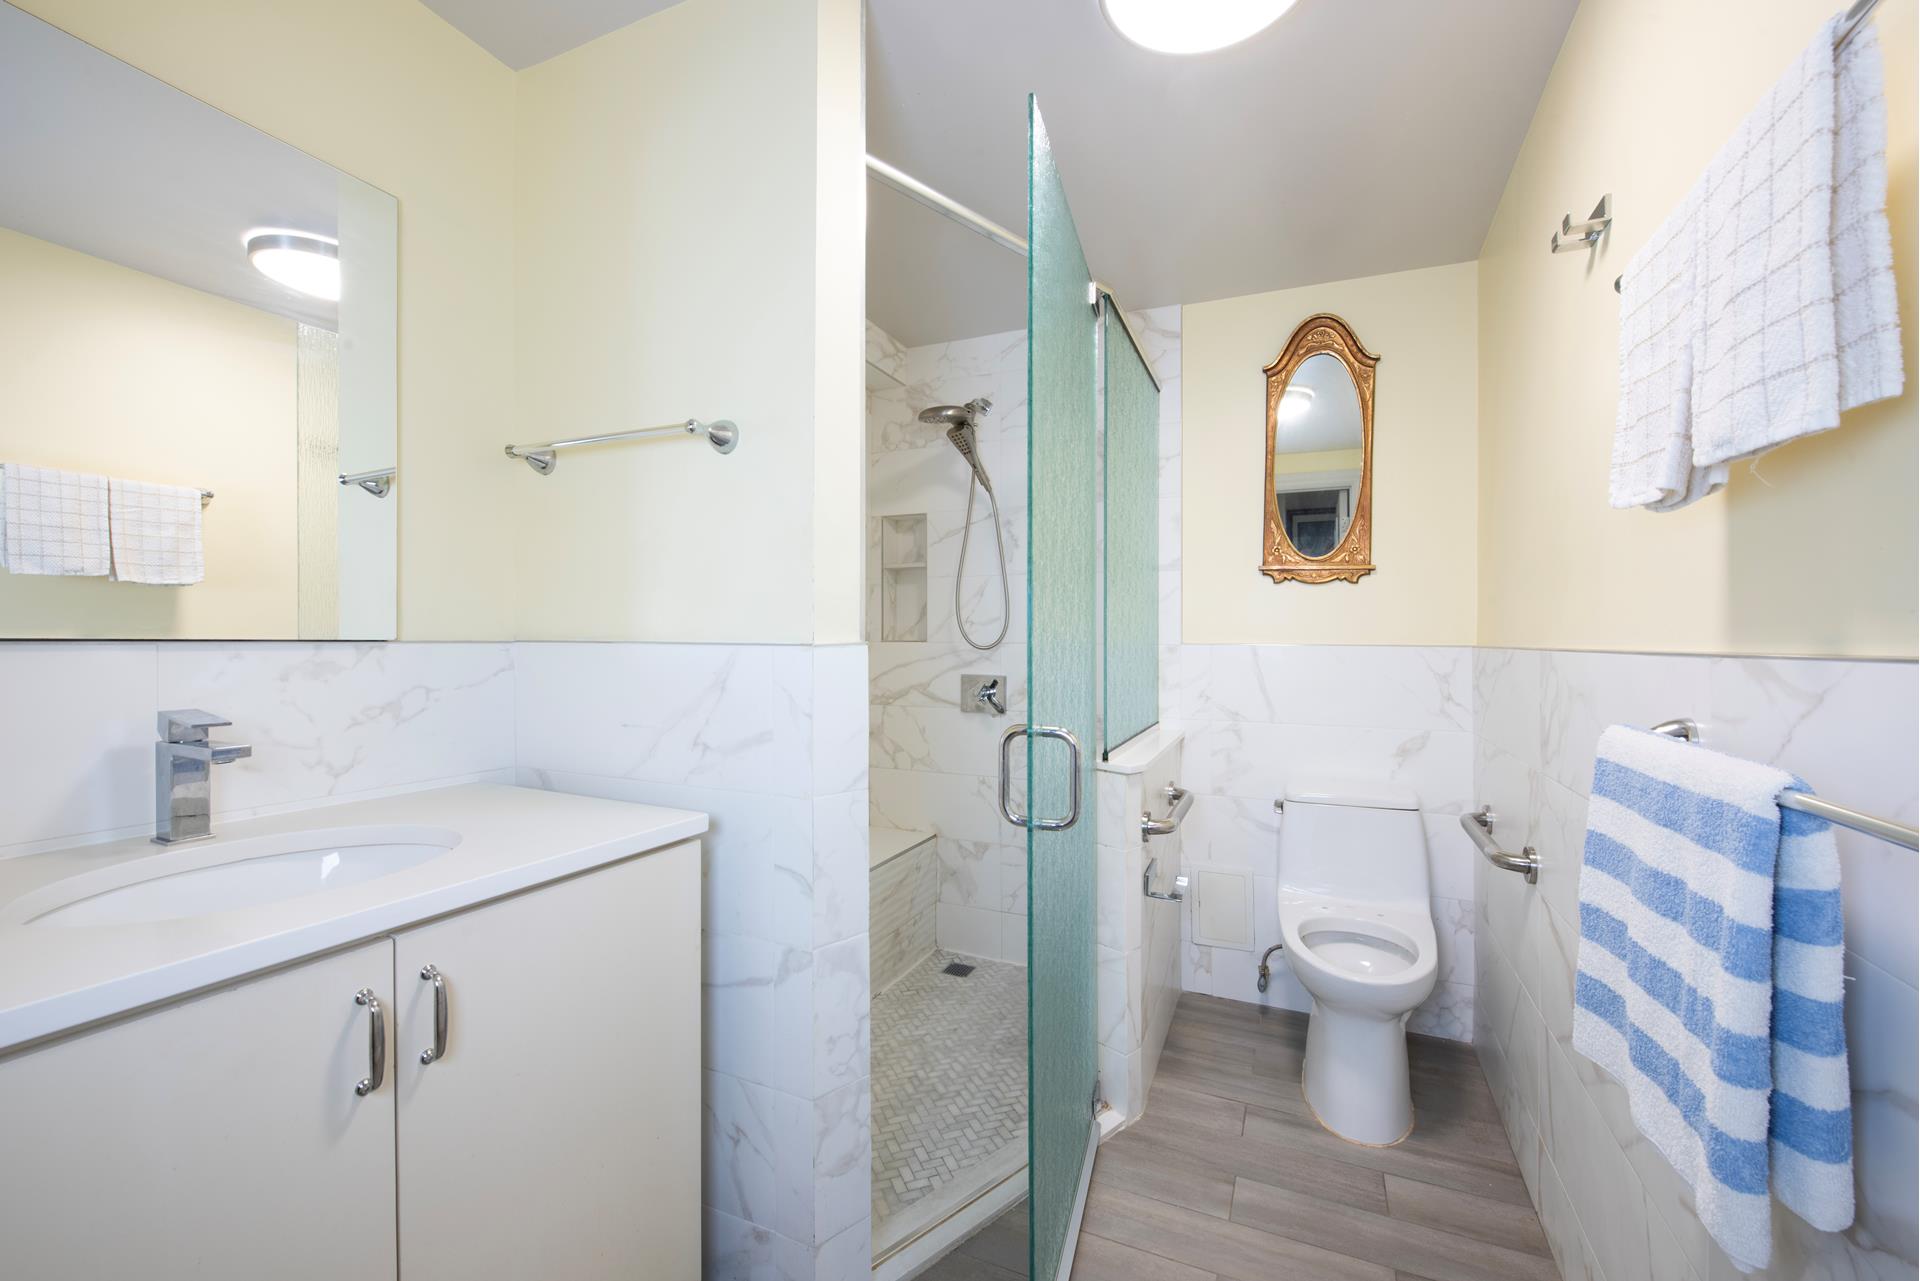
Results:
[453, 1033]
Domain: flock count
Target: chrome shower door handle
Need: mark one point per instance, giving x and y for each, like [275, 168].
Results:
[431, 974]
[376, 1046]
[1006, 778]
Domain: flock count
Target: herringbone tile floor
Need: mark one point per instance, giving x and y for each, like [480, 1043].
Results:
[949, 1077]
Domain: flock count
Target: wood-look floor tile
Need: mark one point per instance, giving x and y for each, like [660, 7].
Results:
[1290, 1166]
[1217, 1245]
[1098, 1259]
[1500, 1223]
[1137, 1162]
[1413, 1162]
[1195, 1113]
[1392, 1243]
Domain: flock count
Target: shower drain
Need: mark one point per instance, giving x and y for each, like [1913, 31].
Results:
[959, 969]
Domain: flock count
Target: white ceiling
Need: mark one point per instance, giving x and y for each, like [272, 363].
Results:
[521, 33]
[1352, 137]
[103, 158]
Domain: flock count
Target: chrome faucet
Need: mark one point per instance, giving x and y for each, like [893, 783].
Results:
[183, 766]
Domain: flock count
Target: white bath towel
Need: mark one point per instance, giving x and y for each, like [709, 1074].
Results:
[52, 522]
[1785, 316]
[1798, 259]
[1653, 429]
[156, 533]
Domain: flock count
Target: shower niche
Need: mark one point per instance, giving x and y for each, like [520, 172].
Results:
[903, 577]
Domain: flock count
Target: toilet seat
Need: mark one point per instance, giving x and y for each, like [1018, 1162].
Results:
[1380, 957]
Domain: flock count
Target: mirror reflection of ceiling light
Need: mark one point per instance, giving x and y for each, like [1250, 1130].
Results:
[302, 261]
[1295, 401]
[1192, 26]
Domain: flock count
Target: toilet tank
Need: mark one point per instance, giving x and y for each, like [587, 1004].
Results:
[1354, 841]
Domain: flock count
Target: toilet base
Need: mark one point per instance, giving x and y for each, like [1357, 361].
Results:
[1355, 1079]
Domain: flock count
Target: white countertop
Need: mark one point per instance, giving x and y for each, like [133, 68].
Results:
[54, 978]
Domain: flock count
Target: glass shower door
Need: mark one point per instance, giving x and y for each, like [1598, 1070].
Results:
[1062, 674]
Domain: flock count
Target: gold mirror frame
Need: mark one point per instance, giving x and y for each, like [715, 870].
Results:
[1353, 557]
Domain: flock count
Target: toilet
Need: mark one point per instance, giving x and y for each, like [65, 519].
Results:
[1357, 929]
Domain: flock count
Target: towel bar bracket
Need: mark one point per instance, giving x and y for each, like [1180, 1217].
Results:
[1479, 826]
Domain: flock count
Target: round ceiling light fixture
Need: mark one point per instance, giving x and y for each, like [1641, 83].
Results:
[1192, 26]
[302, 261]
[1295, 403]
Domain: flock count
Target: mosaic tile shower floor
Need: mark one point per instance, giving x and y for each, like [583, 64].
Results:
[949, 1088]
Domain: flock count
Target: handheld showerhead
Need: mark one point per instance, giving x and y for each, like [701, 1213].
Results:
[961, 433]
[958, 420]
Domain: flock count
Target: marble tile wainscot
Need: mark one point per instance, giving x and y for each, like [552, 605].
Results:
[770, 741]
[1258, 717]
[1611, 1206]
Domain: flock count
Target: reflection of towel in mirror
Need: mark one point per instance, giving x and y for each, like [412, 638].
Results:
[52, 522]
[156, 533]
[1764, 306]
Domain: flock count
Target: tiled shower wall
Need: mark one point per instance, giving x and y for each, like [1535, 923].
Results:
[934, 768]
[768, 740]
[1611, 1206]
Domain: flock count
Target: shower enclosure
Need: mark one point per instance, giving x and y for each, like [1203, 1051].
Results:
[951, 1084]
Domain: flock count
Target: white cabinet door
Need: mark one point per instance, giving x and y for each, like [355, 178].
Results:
[559, 1137]
[218, 1138]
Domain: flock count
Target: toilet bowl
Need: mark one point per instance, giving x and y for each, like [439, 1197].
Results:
[1357, 931]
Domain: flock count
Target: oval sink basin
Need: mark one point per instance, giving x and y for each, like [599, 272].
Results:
[247, 873]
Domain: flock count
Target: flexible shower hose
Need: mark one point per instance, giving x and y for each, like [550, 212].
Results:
[960, 571]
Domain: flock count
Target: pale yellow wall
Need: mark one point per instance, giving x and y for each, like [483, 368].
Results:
[388, 92]
[1324, 460]
[1421, 324]
[107, 369]
[668, 190]
[1816, 553]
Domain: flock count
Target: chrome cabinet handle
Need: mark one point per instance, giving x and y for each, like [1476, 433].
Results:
[1179, 801]
[431, 974]
[377, 1045]
[1006, 778]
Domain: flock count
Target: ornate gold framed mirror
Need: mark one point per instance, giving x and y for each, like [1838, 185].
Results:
[1319, 490]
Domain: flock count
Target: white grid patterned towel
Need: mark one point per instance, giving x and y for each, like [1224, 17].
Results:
[156, 533]
[52, 522]
[1788, 314]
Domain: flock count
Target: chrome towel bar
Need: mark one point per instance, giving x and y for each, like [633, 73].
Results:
[722, 434]
[378, 482]
[1856, 17]
[1479, 826]
[1885, 829]
[1179, 801]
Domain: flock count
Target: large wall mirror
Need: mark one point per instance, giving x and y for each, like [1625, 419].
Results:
[197, 365]
[1319, 492]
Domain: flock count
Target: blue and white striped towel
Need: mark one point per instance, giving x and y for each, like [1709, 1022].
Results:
[1710, 981]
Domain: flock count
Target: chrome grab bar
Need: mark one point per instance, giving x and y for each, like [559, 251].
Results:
[378, 482]
[1006, 778]
[1179, 894]
[377, 1045]
[1479, 826]
[1179, 801]
[431, 974]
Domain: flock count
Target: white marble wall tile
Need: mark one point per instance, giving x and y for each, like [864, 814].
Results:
[969, 872]
[841, 878]
[79, 753]
[1621, 1207]
[725, 716]
[758, 1158]
[734, 1249]
[974, 931]
[842, 1019]
[1259, 759]
[885, 352]
[1447, 1013]
[1395, 687]
[839, 702]
[842, 1159]
[943, 740]
[330, 720]
[905, 892]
